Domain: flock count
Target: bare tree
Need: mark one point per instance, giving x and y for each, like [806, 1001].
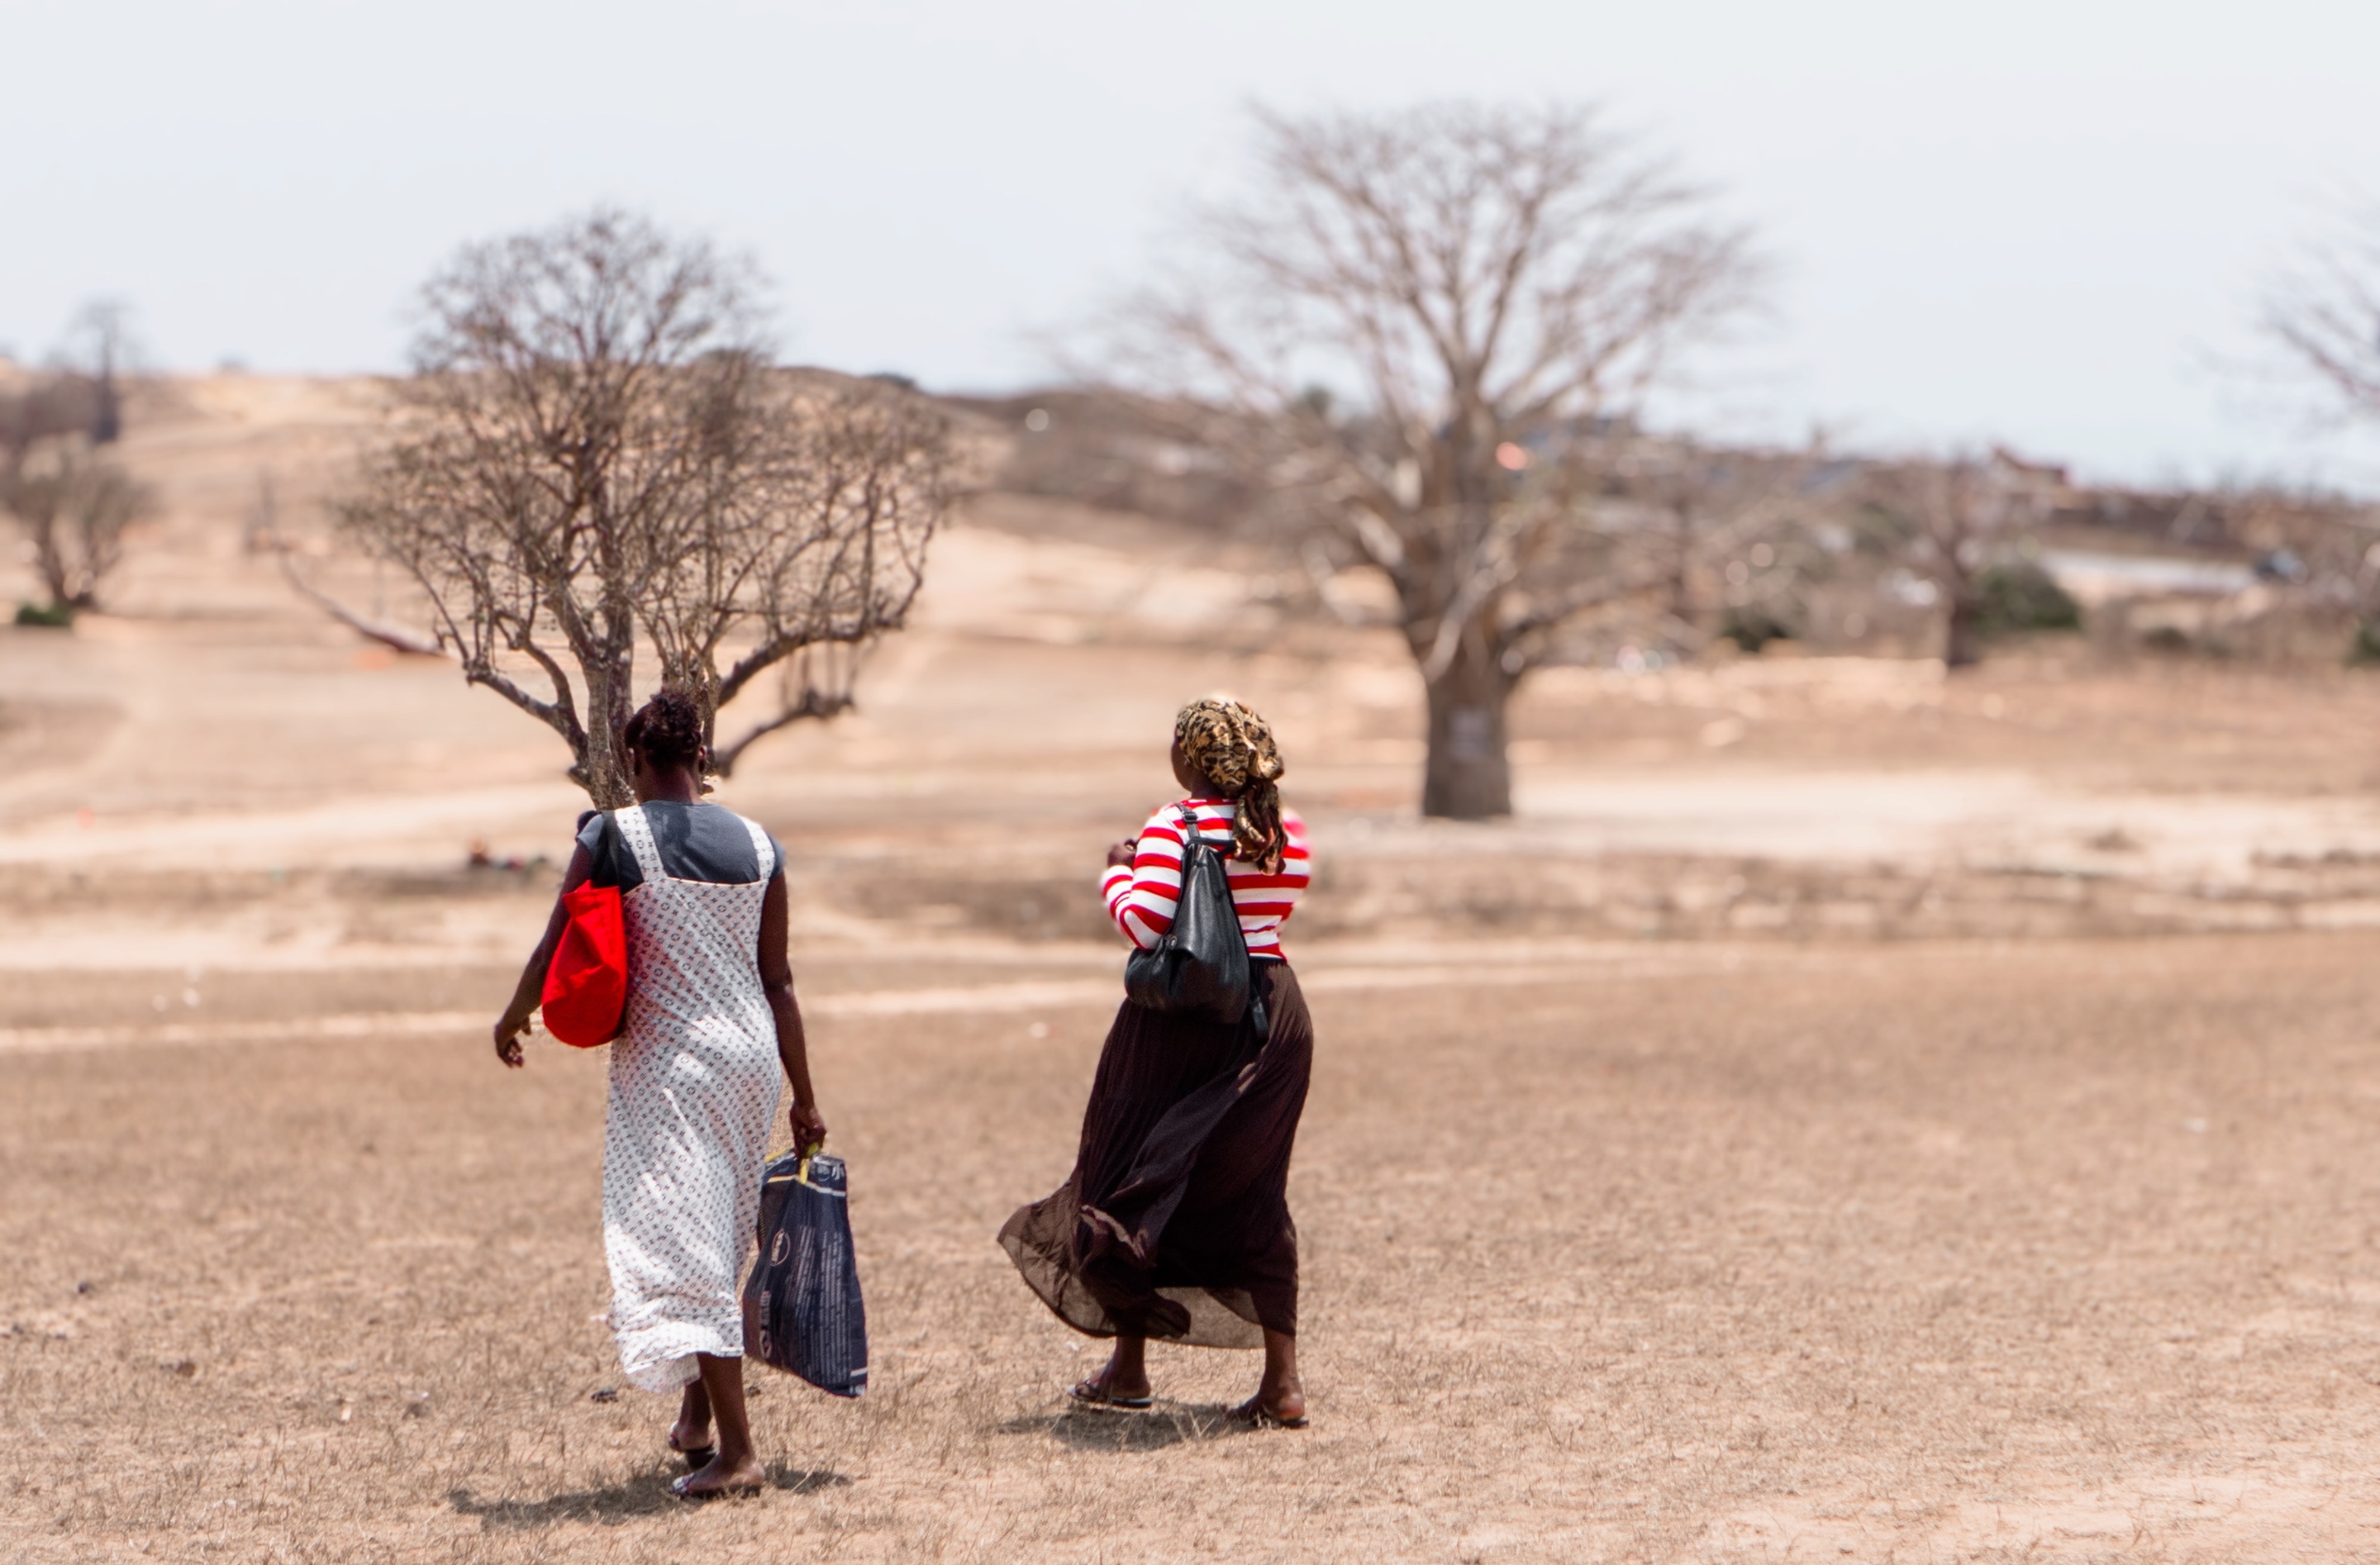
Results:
[1734, 551]
[73, 503]
[74, 506]
[1494, 288]
[1952, 518]
[595, 457]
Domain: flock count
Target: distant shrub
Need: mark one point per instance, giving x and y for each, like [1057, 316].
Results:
[1754, 628]
[50, 616]
[2022, 596]
[2367, 649]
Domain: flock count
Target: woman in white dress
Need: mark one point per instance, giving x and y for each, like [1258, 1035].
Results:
[711, 1022]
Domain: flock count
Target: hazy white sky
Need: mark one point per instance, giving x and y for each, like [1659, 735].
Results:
[2039, 220]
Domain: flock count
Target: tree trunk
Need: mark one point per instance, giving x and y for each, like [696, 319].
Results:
[1962, 639]
[1682, 571]
[1467, 776]
[107, 411]
[51, 563]
[606, 766]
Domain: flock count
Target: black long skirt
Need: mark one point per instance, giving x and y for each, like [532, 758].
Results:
[1175, 1222]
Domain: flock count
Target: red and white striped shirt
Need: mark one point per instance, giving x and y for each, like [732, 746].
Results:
[1141, 898]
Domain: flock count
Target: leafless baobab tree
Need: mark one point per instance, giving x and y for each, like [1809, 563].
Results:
[1952, 516]
[595, 457]
[73, 503]
[1488, 289]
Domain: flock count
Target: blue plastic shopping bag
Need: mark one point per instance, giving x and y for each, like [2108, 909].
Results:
[802, 1311]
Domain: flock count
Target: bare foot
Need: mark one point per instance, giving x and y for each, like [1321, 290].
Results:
[722, 1478]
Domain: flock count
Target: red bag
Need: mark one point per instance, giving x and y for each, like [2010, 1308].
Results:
[587, 986]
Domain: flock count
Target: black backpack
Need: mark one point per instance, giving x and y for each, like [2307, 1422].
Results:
[1202, 963]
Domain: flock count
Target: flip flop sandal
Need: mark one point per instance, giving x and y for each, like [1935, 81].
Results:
[697, 1456]
[1253, 1411]
[1091, 1393]
[678, 1490]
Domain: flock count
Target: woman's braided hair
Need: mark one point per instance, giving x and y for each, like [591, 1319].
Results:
[668, 731]
[1229, 745]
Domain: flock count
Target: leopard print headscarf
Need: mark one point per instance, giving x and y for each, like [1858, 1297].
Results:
[1229, 745]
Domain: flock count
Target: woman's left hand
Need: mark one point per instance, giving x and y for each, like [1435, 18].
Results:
[1120, 855]
[810, 1127]
[509, 1031]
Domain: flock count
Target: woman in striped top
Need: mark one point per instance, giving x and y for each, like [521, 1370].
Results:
[1144, 875]
[1175, 1222]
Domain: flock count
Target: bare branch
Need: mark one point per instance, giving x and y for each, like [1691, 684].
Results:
[812, 706]
[2327, 313]
[388, 635]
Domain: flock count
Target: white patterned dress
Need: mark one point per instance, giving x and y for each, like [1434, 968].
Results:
[694, 1082]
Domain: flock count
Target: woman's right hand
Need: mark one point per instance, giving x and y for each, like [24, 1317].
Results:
[810, 1127]
[1120, 855]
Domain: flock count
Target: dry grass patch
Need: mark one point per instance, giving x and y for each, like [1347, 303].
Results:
[2054, 1251]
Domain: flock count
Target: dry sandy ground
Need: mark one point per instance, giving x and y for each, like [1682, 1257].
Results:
[2047, 1251]
[1761, 1147]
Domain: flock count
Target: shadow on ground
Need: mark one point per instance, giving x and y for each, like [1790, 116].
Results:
[1167, 1424]
[645, 1495]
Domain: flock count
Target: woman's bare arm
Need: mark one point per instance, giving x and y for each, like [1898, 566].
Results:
[531, 988]
[792, 1044]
